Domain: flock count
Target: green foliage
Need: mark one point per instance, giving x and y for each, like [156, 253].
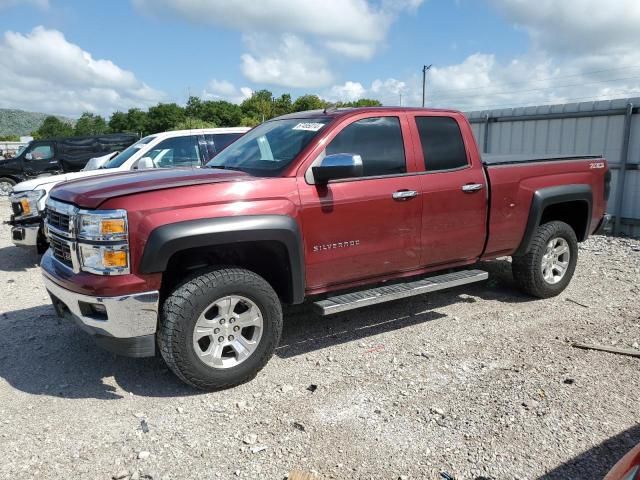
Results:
[9, 138]
[197, 113]
[363, 102]
[90, 124]
[164, 116]
[189, 123]
[53, 127]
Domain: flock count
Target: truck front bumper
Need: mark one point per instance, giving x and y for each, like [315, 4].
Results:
[125, 325]
[25, 235]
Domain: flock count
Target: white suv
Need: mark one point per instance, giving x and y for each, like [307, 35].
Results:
[181, 148]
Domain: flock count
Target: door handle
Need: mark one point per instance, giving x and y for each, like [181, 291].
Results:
[472, 187]
[404, 194]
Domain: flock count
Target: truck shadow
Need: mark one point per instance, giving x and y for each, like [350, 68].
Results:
[17, 259]
[306, 331]
[42, 355]
[594, 463]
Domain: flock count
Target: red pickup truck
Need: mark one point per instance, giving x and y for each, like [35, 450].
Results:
[197, 262]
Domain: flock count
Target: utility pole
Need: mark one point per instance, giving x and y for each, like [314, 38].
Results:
[400, 99]
[425, 68]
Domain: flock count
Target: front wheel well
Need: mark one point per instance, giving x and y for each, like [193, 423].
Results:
[574, 213]
[269, 259]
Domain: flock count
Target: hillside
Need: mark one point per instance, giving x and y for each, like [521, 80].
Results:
[19, 122]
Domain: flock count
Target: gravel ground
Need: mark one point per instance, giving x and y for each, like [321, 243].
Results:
[480, 382]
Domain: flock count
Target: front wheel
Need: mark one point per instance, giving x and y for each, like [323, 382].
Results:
[219, 328]
[547, 268]
[6, 186]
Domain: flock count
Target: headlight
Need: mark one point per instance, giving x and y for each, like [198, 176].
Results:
[103, 245]
[104, 259]
[28, 202]
[107, 225]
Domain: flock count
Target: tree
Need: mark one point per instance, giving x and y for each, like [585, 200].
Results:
[308, 102]
[137, 121]
[194, 107]
[53, 127]
[90, 124]
[259, 106]
[282, 105]
[189, 123]
[164, 116]
[9, 138]
[118, 122]
[363, 102]
[221, 112]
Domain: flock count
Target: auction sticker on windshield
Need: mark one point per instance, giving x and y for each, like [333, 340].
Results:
[310, 127]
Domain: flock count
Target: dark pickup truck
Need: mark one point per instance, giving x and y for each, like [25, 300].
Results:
[198, 263]
[57, 155]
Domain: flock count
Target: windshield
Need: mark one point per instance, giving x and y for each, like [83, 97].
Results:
[269, 148]
[127, 153]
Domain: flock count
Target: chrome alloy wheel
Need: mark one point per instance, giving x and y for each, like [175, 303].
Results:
[228, 332]
[555, 260]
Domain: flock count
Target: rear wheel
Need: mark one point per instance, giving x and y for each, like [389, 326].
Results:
[6, 186]
[219, 328]
[547, 268]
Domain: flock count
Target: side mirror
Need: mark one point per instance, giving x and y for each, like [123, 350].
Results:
[28, 156]
[145, 163]
[339, 165]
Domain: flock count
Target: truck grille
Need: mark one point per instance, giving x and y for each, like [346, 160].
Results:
[61, 250]
[58, 220]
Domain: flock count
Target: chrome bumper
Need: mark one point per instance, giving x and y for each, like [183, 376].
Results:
[122, 317]
[25, 235]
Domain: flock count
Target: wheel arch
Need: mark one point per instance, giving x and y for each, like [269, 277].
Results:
[571, 204]
[270, 245]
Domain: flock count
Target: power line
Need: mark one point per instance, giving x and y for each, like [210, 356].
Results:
[543, 88]
[539, 79]
[565, 100]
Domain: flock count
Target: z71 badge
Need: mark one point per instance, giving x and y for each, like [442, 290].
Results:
[333, 246]
[596, 165]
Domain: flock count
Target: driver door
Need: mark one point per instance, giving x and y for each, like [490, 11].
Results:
[361, 228]
[40, 159]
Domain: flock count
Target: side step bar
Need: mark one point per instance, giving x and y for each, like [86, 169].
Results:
[386, 293]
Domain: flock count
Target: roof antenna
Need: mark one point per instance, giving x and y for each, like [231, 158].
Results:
[332, 107]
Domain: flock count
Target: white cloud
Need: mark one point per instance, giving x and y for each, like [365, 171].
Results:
[308, 30]
[42, 71]
[225, 90]
[347, 92]
[576, 25]
[13, 3]
[291, 63]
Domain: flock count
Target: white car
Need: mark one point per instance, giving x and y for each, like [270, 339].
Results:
[97, 162]
[180, 148]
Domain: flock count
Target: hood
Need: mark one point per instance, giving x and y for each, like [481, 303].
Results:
[47, 182]
[91, 192]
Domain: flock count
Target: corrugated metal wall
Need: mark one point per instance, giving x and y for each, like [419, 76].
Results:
[581, 128]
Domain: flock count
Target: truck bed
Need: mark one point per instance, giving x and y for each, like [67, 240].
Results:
[510, 159]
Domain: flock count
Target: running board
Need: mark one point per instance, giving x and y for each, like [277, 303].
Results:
[387, 293]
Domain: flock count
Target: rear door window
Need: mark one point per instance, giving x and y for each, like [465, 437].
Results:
[442, 144]
[176, 152]
[216, 142]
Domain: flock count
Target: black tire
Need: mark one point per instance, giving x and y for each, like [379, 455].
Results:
[527, 269]
[5, 181]
[187, 302]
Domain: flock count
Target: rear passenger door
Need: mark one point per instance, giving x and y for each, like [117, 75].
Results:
[453, 191]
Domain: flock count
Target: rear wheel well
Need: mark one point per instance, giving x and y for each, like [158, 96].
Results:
[269, 259]
[574, 213]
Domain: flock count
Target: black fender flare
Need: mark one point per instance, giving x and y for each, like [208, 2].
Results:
[169, 239]
[552, 196]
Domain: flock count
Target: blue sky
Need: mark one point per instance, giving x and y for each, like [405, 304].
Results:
[69, 56]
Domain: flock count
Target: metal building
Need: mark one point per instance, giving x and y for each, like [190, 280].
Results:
[610, 128]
